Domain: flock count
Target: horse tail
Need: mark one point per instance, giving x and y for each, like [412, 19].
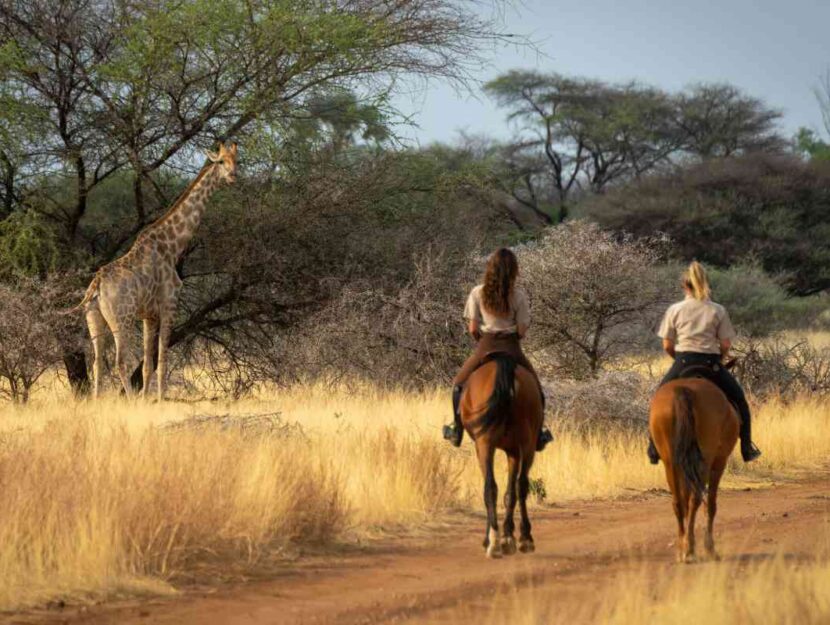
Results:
[687, 452]
[498, 405]
[91, 291]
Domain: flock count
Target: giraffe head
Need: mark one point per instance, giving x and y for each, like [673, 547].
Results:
[225, 159]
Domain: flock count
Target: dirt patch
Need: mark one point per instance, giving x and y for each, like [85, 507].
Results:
[434, 577]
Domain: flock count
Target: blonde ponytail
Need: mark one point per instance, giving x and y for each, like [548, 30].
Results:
[695, 280]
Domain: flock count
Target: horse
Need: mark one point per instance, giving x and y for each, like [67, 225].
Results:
[501, 408]
[695, 428]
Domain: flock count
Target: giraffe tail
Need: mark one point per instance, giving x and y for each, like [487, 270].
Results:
[91, 291]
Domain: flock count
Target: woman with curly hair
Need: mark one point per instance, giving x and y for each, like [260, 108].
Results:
[498, 317]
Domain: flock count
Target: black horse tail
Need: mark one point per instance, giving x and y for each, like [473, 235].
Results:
[687, 452]
[498, 405]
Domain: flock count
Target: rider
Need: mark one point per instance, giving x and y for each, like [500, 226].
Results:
[698, 332]
[498, 316]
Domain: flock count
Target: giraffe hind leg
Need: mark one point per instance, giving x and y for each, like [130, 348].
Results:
[98, 332]
[151, 327]
[122, 348]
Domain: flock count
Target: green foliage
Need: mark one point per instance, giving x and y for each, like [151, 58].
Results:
[28, 246]
[809, 144]
[772, 210]
[758, 304]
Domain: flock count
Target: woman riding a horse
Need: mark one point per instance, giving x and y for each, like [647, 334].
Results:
[498, 317]
[698, 334]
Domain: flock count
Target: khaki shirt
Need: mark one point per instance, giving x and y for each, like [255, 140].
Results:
[696, 326]
[491, 324]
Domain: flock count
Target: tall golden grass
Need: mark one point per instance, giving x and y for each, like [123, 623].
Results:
[97, 500]
[776, 591]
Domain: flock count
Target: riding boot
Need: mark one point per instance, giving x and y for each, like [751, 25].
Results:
[749, 451]
[545, 435]
[653, 454]
[455, 432]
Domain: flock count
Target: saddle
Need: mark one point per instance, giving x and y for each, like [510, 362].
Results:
[707, 372]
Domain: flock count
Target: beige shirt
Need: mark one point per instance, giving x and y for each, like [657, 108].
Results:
[491, 324]
[696, 326]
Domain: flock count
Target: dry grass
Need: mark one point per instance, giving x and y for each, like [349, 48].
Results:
[778, 591]
[97, 500]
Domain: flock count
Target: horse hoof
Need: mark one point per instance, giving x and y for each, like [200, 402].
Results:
[526, 546]
[714, 556]
[508, 545]
[494, 552]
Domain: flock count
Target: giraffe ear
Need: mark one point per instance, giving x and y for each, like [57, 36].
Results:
[214, 157]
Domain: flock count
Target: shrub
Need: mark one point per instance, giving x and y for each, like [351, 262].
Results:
[770, 208]
[593, 295]
[28, 346]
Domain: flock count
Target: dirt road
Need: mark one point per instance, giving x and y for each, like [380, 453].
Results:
[581, 548]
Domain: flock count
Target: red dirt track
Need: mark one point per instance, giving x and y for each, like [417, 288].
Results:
[581, 549]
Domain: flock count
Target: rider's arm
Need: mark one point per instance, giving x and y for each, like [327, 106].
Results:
[668, 347]
[522, 312]
[474, 329]
[725, 345]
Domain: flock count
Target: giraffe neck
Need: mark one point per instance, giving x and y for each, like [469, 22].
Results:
[181, 222]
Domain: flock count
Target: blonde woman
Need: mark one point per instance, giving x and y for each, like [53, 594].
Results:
[697, 332]
[498, 317]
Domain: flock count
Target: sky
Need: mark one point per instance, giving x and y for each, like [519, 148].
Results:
[776, 50]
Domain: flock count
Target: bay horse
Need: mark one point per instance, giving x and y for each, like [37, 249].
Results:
[695, 428]
[501, 408]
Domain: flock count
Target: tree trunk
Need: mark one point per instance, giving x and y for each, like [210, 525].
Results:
[76, 372]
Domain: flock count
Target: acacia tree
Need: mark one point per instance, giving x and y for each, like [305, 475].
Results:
[128, 91]
[577, 134]
[718, 120]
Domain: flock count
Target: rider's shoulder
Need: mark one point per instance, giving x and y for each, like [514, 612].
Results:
[720, 308]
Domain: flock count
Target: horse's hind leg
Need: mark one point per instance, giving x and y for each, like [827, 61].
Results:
[712, 507]
[526, 544]
[508, 542]
[678, 497]
[693, 503]
[485, 454]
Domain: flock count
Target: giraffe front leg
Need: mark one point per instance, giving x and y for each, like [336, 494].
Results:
[165, 327]
[151, 327]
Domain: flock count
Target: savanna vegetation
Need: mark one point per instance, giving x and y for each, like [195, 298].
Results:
[323, 291]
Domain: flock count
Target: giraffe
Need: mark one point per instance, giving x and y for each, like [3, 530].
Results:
[143, 283]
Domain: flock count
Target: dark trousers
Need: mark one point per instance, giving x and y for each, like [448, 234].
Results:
[720, 376]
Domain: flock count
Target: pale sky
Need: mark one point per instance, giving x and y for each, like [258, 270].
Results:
[773, 49]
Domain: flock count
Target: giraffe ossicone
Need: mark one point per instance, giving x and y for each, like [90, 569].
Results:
[143, 283]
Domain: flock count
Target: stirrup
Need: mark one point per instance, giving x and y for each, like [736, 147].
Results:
[545, 437]
[653, 455]
[750, 452]
[453, 434]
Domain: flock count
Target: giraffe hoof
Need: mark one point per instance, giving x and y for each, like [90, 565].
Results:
[689, 559]
[508, 545]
